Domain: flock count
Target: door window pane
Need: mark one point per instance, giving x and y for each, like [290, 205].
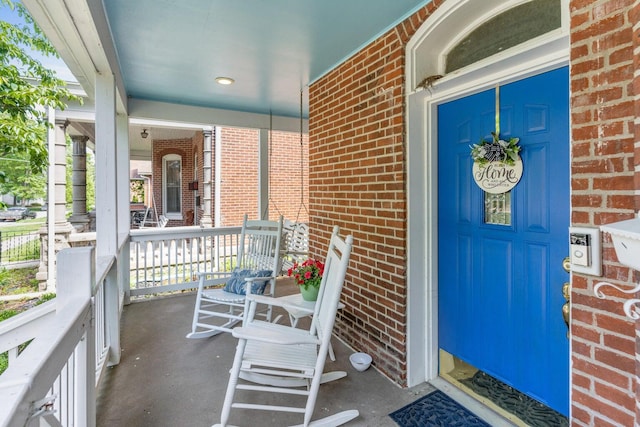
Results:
[497, 208]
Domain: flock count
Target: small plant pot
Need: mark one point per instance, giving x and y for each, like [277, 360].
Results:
[309, 294]
[360, 361]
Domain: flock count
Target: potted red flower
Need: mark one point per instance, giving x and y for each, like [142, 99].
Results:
[308, 276]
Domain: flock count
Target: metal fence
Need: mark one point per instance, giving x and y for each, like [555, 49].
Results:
[19, 246]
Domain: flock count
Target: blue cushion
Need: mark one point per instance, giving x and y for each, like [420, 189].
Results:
[237, 285]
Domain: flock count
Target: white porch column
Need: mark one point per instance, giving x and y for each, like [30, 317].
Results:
[107, 232]
[217, 180]
[63, 227]
[79, 218]
[263, 175]
[106, 183]
[205, 221]
[58, 239]
[123, 198]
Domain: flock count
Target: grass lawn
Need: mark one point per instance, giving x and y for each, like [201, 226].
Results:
[16, 282]
[26, 225]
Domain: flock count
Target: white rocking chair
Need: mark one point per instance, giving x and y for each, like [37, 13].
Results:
[274, 358]
[258, 261]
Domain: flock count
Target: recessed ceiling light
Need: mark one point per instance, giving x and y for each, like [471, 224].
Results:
[224, 80]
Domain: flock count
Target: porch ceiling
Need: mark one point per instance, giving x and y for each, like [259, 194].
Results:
[172, 51]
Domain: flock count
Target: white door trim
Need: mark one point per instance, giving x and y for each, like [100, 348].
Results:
[542, 54]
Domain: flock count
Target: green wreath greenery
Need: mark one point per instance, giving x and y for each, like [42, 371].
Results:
[496, 150]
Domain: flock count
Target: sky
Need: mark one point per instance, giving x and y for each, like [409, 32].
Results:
[55, 64]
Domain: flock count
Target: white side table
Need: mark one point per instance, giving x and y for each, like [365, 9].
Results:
[297, 308]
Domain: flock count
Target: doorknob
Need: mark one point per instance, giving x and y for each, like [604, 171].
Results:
[566, 293]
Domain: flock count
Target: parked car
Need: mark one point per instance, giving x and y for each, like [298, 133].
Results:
[16, 213]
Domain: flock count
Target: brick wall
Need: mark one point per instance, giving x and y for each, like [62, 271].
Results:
[240, 175]
[161, 148]
[357, 181]
[602, 185]
[239, 161]
[289, 182]
[635, 21]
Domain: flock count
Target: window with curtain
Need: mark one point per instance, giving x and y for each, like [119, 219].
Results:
[172, 185]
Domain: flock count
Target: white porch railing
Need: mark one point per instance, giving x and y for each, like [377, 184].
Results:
[52, 371]
[58, 351]
[167, 259]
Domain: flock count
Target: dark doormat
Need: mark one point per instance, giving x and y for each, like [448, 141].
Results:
[434, 410]
[532, 412]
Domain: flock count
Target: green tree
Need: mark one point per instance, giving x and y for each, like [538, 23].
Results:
[91, 181]
[20, 180]
[26, 88]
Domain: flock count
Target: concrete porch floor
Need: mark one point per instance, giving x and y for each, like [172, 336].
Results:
[164, 379]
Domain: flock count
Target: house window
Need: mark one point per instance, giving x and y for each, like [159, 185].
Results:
[172, 186]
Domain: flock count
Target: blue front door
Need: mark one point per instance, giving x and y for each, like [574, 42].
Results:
[500, 281]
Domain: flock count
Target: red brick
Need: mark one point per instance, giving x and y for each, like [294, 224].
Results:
[615, 360]
[603, 408]
[586, 201]
[582, 381]
[622, 344]
[580, 415]
[604, 374]
[615, 324]
[620, 202]
[616, 183]
[601, 422]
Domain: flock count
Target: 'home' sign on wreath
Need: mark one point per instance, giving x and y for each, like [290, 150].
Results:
[497, 166]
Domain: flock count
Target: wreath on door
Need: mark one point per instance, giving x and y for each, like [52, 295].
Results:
[496, 150]
[497, 166]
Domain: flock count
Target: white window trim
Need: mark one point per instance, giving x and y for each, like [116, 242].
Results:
[170, 215]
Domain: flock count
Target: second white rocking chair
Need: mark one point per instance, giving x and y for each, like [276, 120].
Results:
[273, 358]
[258, 263]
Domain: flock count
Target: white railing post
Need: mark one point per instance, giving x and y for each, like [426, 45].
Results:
[79, 264]
[112, 314]
[124, 267]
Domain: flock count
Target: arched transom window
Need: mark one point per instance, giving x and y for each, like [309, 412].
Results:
[511, 28]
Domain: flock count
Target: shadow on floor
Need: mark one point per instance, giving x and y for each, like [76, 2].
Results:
[164, 379]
